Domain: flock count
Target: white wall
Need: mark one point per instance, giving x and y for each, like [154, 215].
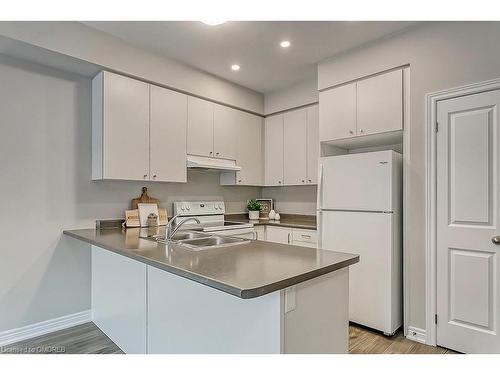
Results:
[45, 174]
[441, 55]
[85, 43]
[299, 94]
[292, 199]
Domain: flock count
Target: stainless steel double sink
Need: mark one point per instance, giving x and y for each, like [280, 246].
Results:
[201, 241]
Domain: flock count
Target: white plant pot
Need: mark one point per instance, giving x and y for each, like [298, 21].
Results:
[253, 215]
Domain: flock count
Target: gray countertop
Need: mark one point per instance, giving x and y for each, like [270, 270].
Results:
[248, 270]
[286, 220]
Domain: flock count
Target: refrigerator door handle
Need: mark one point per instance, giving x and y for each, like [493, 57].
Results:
[319, 198]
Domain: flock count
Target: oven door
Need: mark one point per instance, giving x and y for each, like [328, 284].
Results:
[246, 233]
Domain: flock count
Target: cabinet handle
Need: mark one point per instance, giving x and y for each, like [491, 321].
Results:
[361, 131]
[310, 180]
[303, 181]
[305, 236]
[351, 132]
[289, 238]
[145, 175]
[154, 176]
[239, 181]
[279, 182]
[217, 154]
[211, 153]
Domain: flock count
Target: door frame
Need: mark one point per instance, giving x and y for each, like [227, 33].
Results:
[432, 100]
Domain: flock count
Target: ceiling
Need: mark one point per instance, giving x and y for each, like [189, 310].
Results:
[255, 46]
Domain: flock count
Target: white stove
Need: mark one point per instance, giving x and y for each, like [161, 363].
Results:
[211, 216]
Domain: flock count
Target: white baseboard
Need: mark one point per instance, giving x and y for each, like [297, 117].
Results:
[416, 334]
[42, 328]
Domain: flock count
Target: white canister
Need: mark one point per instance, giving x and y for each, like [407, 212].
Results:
[272, 215]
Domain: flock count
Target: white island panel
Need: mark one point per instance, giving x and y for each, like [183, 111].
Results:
[188, 317]
[119, 299]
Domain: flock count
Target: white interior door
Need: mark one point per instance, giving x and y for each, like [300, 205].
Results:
[467, 220]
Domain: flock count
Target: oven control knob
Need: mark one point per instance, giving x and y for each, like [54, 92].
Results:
[183, 208]
[216, 207]
[220, 207]
[188, 208]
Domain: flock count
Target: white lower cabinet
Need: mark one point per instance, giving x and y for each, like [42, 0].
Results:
[279, 234]
[291, 236]
[260, 232]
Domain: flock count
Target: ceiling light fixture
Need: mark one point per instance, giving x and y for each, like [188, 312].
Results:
[235, 67]
[213, 23]
[285, 44]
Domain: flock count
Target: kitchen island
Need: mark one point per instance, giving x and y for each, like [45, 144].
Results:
[254, 297]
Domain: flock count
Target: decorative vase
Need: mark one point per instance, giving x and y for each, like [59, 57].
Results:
[272, 214]
[277, 216]
[253, 215]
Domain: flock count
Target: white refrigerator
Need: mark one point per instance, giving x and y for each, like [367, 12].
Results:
[359, 211]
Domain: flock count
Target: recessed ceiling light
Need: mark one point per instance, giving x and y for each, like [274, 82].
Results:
[235, 67]
[285, 44]
[213, 23]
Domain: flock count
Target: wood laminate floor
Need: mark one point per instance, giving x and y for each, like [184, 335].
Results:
[88, 339]
[366, 341]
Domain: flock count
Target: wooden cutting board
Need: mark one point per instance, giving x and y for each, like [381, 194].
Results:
[144, 198]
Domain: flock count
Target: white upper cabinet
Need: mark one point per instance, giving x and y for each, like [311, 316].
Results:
[138, 130]
[312, 144]
[168, 122]
[380, 103]
[200, 128]
[274, 150]
[370, 106]
[337, 112]
[295, 147]
[250, 154]
[120, 128]
[225, 129]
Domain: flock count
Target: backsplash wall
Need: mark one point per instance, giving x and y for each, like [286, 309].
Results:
[293, 199]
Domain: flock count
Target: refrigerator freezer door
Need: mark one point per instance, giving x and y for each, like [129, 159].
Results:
[374, 282]
[360, 182]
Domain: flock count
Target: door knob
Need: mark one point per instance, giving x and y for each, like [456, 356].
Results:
[496, 240]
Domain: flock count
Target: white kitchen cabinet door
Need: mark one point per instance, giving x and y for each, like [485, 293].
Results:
[312, 144]
[380, 103]
[250, 151]
[200, 129]
[225, 130]
[337, 113]
[120, 128]
[260, 232]
[168, 124]
[274, 150]
[295, 147]
[279, 235]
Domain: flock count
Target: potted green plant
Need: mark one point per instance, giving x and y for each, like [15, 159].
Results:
[253, 209]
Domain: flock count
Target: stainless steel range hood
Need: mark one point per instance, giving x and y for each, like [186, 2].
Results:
[201, 162]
